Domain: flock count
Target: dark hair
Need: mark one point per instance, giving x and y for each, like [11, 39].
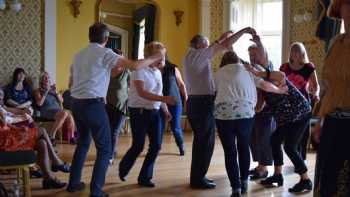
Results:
[229, 57]
[15, 75]
[98, 33]
[196, 40]
[118, 51]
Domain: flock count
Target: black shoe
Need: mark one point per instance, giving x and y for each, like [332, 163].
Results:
[63, 168]
[236, 194]
[75, 188]
[208, 180]
[244, 186]
[53, 142]
[122, 176]
[102, 195]
[53, 184]
[203, 185]
[146, 183]
[273, 179]
[182, 152]
[36, 174]
[252, 171]
[303, 185]
[256, 175]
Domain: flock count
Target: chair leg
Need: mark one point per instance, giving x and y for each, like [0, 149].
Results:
[26, 182]
[19, 176]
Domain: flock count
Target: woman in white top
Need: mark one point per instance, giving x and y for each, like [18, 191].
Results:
[145, 100]
[235, 102]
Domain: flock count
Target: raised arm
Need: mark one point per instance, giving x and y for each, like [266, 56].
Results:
[229, 41]
[40, 98]
[270, 87]
[139, 64]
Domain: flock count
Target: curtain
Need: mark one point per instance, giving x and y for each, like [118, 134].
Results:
[136, 41]
[147, 13]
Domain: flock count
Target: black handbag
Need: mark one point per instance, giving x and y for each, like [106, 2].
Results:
[3, 192]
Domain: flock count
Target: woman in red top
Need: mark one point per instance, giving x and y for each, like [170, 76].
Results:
[301, 72]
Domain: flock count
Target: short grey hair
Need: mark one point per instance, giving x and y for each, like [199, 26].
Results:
[196, 40]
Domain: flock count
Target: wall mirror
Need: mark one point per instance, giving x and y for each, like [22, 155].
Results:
[131, 24]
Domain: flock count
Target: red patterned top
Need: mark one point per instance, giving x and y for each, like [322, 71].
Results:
[299, 78]
[23, 137]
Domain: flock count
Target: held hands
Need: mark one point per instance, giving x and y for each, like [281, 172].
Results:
[168, 116]
[170, 100]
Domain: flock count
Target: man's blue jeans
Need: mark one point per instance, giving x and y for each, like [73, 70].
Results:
[91, 121]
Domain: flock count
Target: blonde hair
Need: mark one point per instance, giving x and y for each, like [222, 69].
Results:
[152, 48]
[42, 75]
[301, 48]
[334, 8]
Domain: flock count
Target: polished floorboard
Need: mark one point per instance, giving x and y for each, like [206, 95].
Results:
[171, 174]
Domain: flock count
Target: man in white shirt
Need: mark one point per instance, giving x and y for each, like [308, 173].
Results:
[90, 75]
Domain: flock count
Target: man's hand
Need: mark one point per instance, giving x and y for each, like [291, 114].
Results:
[256, 39]
[171, 100]
[168, 116]
[224, 36]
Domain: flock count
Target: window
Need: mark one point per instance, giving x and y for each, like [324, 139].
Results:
[342, 29]
[266, 17]
[142, 40]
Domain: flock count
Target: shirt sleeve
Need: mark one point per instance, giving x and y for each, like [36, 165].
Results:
[138, 75]
[257, 80]
[309, 69]
[110, 59]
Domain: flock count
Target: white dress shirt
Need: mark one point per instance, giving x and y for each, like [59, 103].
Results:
[91, 70]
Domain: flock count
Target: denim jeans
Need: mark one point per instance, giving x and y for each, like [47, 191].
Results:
[230, 131]
[91, 121]
[143, 122]
[175, 124]
[116, 121]
[290, 134]
[201, 118]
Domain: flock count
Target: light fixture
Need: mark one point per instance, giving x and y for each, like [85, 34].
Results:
[178, 16]
[303, 16]
[14, 5]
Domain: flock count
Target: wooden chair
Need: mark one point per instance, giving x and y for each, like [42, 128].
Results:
[20, 161]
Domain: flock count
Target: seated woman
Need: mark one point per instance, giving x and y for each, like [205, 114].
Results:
[50, 108]
[18, 132]
[18, 93]
[236, 97]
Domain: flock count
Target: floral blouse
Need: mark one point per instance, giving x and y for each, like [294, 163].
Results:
[238, 109]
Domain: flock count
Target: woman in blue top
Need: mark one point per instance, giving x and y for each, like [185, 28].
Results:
[173, 85]
[18, 93]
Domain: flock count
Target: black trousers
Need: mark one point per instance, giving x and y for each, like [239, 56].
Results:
[290, 134]
[200, 115]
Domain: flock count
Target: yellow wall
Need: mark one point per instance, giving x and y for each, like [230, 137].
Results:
[72, 33]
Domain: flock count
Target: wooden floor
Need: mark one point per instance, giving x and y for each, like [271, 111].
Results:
[171, 174]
